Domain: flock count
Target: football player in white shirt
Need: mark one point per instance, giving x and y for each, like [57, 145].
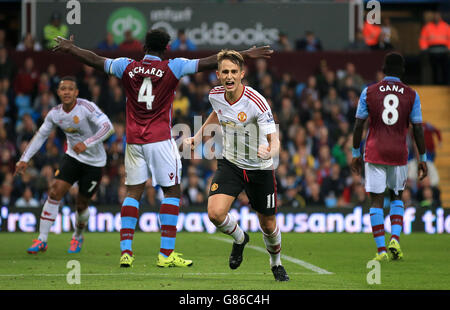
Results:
[250, 141]
[85, 127]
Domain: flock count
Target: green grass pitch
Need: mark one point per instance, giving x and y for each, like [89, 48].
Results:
[314, 262]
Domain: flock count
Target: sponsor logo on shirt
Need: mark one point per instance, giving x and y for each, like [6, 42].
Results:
[71, 130]
[228, 123]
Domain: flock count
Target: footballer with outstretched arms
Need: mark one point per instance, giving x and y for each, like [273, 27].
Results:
[85, 127]
[390, 106]
[250, 141]
[150, 85]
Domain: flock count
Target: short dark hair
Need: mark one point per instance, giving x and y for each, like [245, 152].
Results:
[156, 40]
[69, 78]
[394, 64]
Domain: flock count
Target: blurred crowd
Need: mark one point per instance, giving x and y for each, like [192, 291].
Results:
[315, 120]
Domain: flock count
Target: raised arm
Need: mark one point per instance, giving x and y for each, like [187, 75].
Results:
[210, 63]
[85, 56]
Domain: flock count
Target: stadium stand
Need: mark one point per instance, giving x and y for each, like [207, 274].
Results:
[316, 119]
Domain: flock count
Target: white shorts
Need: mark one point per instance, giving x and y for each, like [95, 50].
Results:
[380, 176]
[159, 160]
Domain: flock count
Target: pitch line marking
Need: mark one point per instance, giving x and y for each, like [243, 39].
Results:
[285, 257]
[147, 274]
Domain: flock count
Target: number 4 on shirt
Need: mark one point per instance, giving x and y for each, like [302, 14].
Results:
[145, 93]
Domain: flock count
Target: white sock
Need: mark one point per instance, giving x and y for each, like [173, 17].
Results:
[231, 227]
[48, 216]
[81, 220]
[273, 246]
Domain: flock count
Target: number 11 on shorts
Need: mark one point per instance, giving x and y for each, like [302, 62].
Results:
[271, 201]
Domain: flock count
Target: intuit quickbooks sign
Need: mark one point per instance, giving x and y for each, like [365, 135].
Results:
[208, 24]
[315, 220]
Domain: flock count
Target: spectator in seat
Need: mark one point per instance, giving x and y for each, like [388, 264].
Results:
[130, 44]
[283, 43]
[428, 194]
[182, 42]
[371, 33]
[53, 78]
[388, 36]
[3, 42]
[27, 200]
[6, 121]
[6, 191]
[27, 79]
[25, 129]
[359, 196]
[315, 197]
[359, 43]
[29, 44]
[434, 43]
[431, 133]
[108, 43]
[309, 43]
[54, 29]
[428, 199]
[193, 192]
[355, 80]
[7, 65]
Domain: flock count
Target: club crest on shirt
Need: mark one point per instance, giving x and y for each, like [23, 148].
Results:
[242, 117]
[76, 120]
[214, 187]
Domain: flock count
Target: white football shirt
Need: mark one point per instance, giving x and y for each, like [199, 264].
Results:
[245, 125]
[84, 123]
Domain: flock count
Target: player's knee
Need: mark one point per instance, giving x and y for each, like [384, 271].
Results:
[215, 216]
[395, 196]
[81, 203]
[268, 225]
[172, 191]
[267, 228]
[55, 192]
[135, 191]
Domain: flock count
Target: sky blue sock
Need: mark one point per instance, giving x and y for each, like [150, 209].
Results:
[168, 217]
[377, 222]
[396, 216]
[129, 216]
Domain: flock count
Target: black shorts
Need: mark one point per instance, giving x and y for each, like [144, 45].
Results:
[88, 177]
[259, 185]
